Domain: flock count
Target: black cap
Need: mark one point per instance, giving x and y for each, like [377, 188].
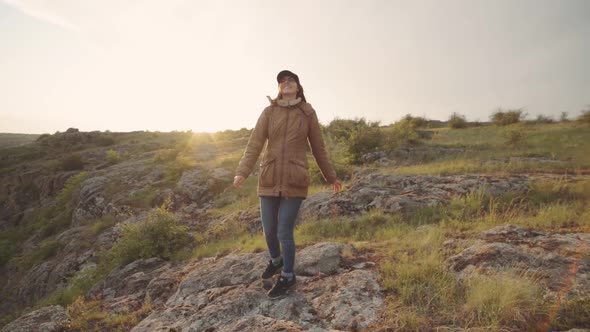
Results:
[284, 73]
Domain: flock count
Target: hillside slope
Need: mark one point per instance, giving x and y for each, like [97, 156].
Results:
[442, 229]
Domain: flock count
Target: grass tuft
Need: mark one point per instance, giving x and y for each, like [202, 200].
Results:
[504, 299]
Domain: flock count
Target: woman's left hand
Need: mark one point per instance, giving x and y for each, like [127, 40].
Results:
[336, 186]
[238, 180]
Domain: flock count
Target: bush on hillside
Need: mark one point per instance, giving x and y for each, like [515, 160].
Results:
[504, 118]
[159, 235]
[457, 121]
[416, 121]
[404, 132]
[365, 138]
[113, 156]
[72, 162]
[342, 129]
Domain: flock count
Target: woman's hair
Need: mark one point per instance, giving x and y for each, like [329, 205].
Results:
[300, 94]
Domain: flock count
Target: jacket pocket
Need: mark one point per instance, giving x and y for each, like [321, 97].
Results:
[267, 173]
[298, 174]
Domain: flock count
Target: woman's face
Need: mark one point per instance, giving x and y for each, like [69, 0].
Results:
[288, 85]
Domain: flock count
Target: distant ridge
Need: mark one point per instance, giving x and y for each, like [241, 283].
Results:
[8, 140]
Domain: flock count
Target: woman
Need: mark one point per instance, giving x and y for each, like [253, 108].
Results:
[288, 126]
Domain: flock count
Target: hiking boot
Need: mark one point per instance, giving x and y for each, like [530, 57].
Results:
[281, 287]
[271, 269]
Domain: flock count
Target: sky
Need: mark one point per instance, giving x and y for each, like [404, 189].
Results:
[208, 65]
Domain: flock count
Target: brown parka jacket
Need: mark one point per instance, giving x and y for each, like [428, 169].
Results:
[287, 131]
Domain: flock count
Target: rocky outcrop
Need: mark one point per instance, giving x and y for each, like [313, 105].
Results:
[125, 289]
[91, 200]
[409, 155]
[29, 189]
[51, 274]
[227, 294]
[199, 186]
[560, 261]
[393, 193]
[512, 247]
[46, 319]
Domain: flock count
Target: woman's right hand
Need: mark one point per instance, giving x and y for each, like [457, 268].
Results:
[238, 180]
[336, 186]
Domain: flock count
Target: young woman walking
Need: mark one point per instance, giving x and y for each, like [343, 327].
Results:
[287, 127]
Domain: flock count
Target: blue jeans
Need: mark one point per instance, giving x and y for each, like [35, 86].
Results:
[278, 220]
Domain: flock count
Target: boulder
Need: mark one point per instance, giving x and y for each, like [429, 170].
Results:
[126, 288]
[227, 294]
[321, 258]
[199, 186]
[46, 319]
[52, 273]
[559, 261]
[392, 193]
[91, 201]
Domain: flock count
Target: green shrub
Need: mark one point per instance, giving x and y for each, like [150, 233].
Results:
[457, 121]
[159, 235]
[67, 192]
[72, 162]
[365, 138]
[403, 132]
[504, 118]
[416, 121]
[113, 156]
[341, 129]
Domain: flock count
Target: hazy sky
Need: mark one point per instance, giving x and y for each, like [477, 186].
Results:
[208, 65]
